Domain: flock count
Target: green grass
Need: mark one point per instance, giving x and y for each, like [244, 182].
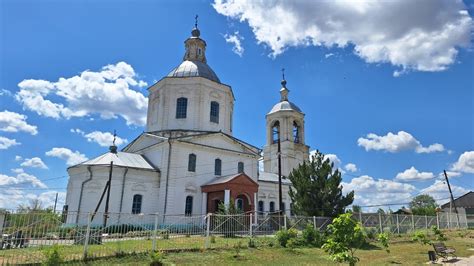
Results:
[224, 251]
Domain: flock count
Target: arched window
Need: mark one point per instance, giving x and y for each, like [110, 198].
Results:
[217, 167]
[239, 204]
[137, 204]
[296, 132]
[188, 207]
[276, 132]
[192, 162]
[181, 107]
[272, 206]
[261, 206]
[214, 112]
[240, 167]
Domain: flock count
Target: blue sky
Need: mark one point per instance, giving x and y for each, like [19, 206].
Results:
[413, 79]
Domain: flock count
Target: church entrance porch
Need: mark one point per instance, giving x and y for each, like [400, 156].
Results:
[238, 189]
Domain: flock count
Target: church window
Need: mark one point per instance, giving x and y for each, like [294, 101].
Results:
[192, 162]
[261, 207]
[199, 51]
[214, 112]
[240, 167]
[239, 204]
[137, 204]
[296, 132]
[181, 107]
[218, 167]
[272, 206]
[276, 132]
[188, 208]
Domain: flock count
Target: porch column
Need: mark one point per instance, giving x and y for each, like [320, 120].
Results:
[204, 203]
[226, 197]
[255, 206]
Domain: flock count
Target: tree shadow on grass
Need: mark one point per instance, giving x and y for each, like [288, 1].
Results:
[370, 246]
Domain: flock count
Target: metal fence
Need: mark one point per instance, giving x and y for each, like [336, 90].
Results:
[28, 237]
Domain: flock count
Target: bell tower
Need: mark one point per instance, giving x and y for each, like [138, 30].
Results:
[285, 121]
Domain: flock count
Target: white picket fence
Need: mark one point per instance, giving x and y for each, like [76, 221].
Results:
[26, 237]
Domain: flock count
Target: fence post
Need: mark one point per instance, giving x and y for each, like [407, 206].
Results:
[284, 221]
[208, 225]
[413, 222]
[360, 217]
[426, 222]
[437, 219]
[88, 232]
[380, 223]
[398, 225]
[314, 222]
[155, 229]
[250, 229]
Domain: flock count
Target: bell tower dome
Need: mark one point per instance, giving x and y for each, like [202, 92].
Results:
[284, 122]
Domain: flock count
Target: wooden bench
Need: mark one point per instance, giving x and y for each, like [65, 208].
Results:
[443, 251]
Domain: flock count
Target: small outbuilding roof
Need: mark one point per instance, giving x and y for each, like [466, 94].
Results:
[465, 201]
[121, 159]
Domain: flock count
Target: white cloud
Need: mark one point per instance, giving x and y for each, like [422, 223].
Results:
[106, 93]
[34, 162]
[18, 158]
[351, 167]
[14, 122]
[328, 55]
[104, 139]
[421, 35]
[5, 92]
[412, 174]
[71, 158]
[439, 191]
[450, 174]
[465, 163]
[402, 141]
[369, 191]
[21, 178]
[15, 197]
[236, 40]
[6, 143]
[334, 159]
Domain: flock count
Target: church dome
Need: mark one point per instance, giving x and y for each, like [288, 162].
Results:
[194, 68]
[285, 106]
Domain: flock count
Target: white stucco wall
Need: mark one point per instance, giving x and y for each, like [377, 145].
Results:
[199, 92]
[268, 192]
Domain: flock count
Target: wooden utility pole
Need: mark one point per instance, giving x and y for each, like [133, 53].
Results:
[452, 198]
[55, 202]
[280, 194]
[109, 183]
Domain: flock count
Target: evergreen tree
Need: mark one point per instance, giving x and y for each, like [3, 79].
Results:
[316, 189]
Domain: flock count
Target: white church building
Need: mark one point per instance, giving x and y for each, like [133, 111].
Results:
[187, 161]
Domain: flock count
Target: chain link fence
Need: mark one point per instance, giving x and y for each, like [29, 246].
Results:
[27, 237]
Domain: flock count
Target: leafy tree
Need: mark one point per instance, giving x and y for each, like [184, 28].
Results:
[316, 189]
[356, 209]
[381, 211]
[423, 205]
[345, 237]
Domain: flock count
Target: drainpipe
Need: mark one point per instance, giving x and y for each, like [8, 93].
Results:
[89, 169]
[121, 196]
[167, 178]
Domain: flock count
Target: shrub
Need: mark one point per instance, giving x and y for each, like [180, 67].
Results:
[312, 237]
[53, 256]
[421, 238]
[213, 239]
[371, 232]
[438, 234]
[283, 236]
[156, 259]
[383, 238]
[165, 234]
[252, 243]
[346, 235]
